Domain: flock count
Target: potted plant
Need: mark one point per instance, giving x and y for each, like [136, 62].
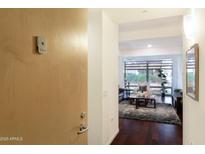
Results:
[163, 78]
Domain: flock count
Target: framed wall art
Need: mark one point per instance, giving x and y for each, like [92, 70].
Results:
[192, 72]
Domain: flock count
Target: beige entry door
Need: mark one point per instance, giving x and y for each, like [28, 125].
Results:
[42, 96]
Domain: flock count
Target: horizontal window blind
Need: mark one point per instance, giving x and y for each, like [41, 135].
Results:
[143, 65]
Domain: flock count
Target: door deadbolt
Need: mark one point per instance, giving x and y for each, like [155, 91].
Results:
[83, 115]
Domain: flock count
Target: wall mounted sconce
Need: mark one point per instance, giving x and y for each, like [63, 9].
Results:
[189, 25]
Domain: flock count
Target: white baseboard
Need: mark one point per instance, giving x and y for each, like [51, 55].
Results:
[113, 137]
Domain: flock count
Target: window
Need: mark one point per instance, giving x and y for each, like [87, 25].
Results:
[138, 72]
[136, 76]
[154, 80]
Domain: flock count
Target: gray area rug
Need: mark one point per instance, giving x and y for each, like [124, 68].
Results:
[163, 113]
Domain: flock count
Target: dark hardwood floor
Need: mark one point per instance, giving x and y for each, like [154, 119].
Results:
[137, 132]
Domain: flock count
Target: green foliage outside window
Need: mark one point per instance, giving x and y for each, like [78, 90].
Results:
[136, 78]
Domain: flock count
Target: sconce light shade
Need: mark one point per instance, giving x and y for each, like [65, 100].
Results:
[189, 27]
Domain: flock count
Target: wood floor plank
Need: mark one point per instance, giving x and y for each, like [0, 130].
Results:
[138, 132]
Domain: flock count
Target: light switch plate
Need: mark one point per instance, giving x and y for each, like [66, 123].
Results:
[41, 45]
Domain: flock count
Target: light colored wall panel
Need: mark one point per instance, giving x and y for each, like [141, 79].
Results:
[193, 111]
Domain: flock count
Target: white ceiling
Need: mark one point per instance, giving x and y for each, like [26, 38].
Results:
[154, 28]
[138, 27]
[129, 15]
[153, 23]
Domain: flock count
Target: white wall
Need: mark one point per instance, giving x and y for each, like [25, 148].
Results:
[103, 78]
[158, 32]
[110, 79]
[152, 51]
[95, 77]
[194, 112]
